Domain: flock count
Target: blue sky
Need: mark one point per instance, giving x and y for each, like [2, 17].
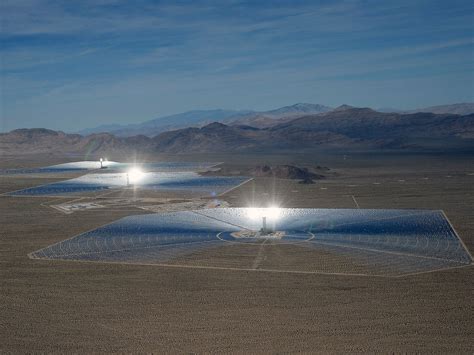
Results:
[75, 64]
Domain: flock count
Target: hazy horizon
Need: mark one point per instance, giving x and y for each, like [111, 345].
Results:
[74, 65]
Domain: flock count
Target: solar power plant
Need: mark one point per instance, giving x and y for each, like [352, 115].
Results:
[166, 181]
[368, 242]
[114, 166]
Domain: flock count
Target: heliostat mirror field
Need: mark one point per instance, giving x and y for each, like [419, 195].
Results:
[158, 181]
[334, 241]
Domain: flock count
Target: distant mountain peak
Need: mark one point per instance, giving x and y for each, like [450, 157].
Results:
[299, 108]
[214, 125]
[344, 107]
[303, 105]
[354, 109]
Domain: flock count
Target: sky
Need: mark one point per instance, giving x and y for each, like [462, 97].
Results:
[69, 65]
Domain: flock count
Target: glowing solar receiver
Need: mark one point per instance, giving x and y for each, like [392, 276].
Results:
[270, 214]
[134, 175]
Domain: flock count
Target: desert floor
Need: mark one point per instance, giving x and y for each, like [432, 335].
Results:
[66, 306]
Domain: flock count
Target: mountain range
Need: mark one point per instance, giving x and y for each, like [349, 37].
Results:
[261, 119]
[200, 118]
[166, 123]
[344, 128]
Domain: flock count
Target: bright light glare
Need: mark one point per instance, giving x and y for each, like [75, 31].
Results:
[135, 175]
[272, 213]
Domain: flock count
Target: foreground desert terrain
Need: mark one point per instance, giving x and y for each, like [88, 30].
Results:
[59, 306]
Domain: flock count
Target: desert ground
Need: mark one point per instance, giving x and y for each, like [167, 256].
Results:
[67, 306]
